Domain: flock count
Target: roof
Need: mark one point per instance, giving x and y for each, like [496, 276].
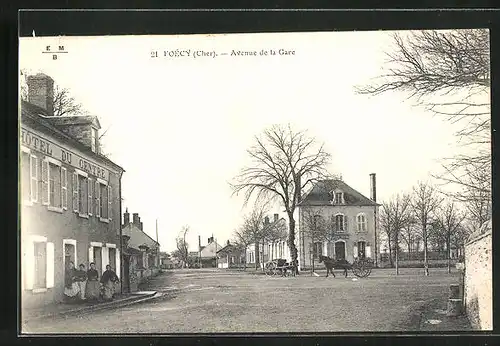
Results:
[137, 237]
[75, 120]
[38, 117]
[320, 194]
[228, 248]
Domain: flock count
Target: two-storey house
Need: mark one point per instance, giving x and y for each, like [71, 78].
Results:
[70, 196]
[336, 221]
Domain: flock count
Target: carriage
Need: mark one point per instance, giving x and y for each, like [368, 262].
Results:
[280, 267]
[361, 267]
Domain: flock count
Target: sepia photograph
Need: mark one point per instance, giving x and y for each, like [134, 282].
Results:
[292, 182]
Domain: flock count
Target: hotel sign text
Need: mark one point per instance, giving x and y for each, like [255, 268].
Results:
[38, 143]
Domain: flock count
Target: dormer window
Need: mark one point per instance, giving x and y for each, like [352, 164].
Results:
[94, 140]
[339, 198]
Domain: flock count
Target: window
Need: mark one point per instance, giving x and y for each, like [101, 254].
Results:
[80, 193]
[361, 222]
[103, 200]
[340, 223]
[339, 197]
[34, 178]
[54, 187]
[64, 188]
[94, 139]
[317, 249]
[25, 176]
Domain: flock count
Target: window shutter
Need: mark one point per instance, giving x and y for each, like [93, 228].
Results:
[45, 182]
[29, 264]
[76, 202]
[97, 199]
[368, 252]
[33, 178]
[91, 254]
[345, 223]
[118, 265]
[64, 188]
[50, 265]
[90, 186]
[355, 251]
[110, 201]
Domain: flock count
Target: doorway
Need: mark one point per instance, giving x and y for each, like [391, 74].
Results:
[126, 274]
[361, 249]
[340, 250]
[112, 258]
[98, 259]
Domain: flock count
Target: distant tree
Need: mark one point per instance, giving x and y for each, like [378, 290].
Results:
[284, 162]
[448, 222]
[182, 246]
[242, 240]
[252, 228]
[425, 201]
[409, 235]
[397, 216]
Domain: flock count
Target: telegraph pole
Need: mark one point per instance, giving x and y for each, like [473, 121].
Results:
[158, 249]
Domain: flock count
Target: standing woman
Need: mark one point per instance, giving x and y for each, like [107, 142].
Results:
[70, 286]
[81, 280]
[92, 289]
[109, 280]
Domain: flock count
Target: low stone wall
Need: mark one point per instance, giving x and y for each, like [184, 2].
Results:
[478, 280]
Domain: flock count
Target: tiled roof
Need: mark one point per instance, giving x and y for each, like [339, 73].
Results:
[320, 194]
[38, 116]
[137, 237]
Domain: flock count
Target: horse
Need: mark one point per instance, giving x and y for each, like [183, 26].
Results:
[331, 263]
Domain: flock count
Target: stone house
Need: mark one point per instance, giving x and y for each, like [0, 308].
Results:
[141, 253]
[70, 196]
[337, 221]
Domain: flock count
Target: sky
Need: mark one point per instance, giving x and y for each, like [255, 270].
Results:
[180, 126]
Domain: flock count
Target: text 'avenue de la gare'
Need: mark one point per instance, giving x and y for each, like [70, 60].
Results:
[184, 53]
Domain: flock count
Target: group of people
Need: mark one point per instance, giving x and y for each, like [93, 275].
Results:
[84, 285]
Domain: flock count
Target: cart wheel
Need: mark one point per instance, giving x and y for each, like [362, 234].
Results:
[270, 269]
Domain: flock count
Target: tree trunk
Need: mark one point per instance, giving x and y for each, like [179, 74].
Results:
[390, 251]
[291, 237]
[448, 248]
[263, 250]
[256, 247]
[396, 250]
[426, 265]
[245, 262]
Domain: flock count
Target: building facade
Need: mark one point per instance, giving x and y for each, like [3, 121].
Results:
[141, 253]
[337, 221]
[70, 196]
[230, 256]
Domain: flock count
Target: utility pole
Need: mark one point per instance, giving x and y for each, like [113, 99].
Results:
[157, 242]
[199, 250]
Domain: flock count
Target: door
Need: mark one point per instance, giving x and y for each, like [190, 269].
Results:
[98, 259]
[361, 249]
[126, 274]
[340, 250]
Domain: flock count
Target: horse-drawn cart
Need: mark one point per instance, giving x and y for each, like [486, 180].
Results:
[279, 267]
[361, 267]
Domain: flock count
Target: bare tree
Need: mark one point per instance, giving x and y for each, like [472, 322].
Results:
[252, 229]
[385, 217]
[397, 216]
[242, 240]
[284, 162]
[409, 234]
[182, 246]
[448, 73]
[425, 202]
[448, 222]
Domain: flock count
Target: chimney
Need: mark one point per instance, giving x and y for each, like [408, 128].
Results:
[208, 241]
[266, 220]
[228, 242]
[276, 217]
[135, 219]
[199, 243]
[126, 217]
[41, 92]
[141, 226]
[373, 187]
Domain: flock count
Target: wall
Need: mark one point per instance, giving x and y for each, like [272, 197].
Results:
[350, 212]
[56, 225]
[478, 281]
